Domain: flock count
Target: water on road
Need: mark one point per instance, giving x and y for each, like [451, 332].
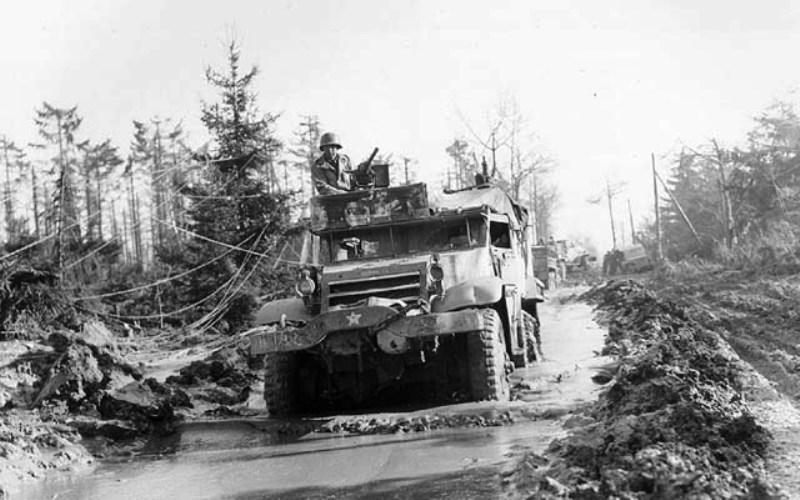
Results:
[251, 458]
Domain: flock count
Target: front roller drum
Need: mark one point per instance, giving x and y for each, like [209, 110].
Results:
[279, 383]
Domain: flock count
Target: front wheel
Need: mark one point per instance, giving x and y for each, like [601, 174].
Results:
[487, 355]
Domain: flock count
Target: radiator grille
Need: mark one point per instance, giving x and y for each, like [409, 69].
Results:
[405, 285]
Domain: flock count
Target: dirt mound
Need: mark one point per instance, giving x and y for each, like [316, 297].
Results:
[757, 315]
[673, 422]
[31, 302]
[225, 378]
[90, 378]
[29, 447]
[83, 374]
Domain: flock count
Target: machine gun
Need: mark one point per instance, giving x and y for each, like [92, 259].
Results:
[365, 175]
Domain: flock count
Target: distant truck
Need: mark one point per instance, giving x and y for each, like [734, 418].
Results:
[635, 259]
[398, 296]
[545, 266]
[578, 258]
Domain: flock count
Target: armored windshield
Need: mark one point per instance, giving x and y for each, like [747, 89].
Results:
[436, 235]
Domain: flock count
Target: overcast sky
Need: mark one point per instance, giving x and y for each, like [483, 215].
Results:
[601, 83]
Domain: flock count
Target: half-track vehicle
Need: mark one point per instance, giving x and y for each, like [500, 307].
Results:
[402, 296]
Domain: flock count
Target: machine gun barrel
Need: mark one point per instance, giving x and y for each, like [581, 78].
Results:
[369, 161]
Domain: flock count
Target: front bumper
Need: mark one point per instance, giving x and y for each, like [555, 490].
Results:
[373, 318]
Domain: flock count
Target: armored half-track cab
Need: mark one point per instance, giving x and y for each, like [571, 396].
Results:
[403, 297]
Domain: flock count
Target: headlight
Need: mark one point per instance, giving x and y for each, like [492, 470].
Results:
[437, 273]
[305, 285]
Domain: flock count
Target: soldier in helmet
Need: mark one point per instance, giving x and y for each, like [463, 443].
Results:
[331, 173]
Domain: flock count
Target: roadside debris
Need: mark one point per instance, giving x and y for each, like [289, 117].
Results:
[219, 383]
[674, 421]
[73, 383]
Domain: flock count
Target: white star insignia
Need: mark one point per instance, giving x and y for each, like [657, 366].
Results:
[353, 319]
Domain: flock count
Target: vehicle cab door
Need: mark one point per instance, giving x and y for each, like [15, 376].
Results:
[506, 249]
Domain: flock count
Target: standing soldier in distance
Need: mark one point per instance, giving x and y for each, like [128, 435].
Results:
[331, 173]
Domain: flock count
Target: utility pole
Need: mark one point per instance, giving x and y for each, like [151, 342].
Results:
[531, 209]
[659, 248]
[494, 157]
[405, 162]
[609, 195]
[630, 218]
[680, 210]
[539, 230]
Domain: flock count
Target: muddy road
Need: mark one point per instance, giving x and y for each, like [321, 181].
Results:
[258, 457]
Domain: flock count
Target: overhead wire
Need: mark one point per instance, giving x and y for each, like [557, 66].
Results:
[229, 287]
[162, 280]
[41, 240]
[167, 314]
[135, 226]
[206, 238]
[205, 322]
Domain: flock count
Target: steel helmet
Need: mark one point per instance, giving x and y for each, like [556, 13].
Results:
[329, 139]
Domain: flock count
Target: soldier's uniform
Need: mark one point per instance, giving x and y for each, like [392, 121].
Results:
[330, 173]
[331, 178]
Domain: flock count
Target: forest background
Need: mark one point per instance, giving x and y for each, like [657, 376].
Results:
[165, 232]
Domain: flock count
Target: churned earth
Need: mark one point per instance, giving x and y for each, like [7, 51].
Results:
[456, 451]
[683, 387]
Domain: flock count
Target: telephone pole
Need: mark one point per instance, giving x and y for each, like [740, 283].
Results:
[659, 248]
[630, 217]
[609, 196]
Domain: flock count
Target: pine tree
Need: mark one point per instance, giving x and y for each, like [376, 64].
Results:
[99, 161]
[233, 203]
[8, 155]
[57, 126]
[305, 152]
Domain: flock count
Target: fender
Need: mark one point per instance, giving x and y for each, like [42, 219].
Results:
[475, 292]
[271, 312]
[533, 290]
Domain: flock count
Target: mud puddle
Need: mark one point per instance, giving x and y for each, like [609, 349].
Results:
[242, 461]
[255, 458]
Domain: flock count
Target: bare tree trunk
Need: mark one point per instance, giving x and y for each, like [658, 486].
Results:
[155, 182]
[62, 179]
[140, 251]
[88, 195]
[727, 208]
[135, 228]
[127, 250]
[98, 203]
[35, 194]
[8, 205]
[114, 227]
[47, 211]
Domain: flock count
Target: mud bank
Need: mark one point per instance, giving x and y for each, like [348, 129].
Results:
[674, 421]
[71, 385]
